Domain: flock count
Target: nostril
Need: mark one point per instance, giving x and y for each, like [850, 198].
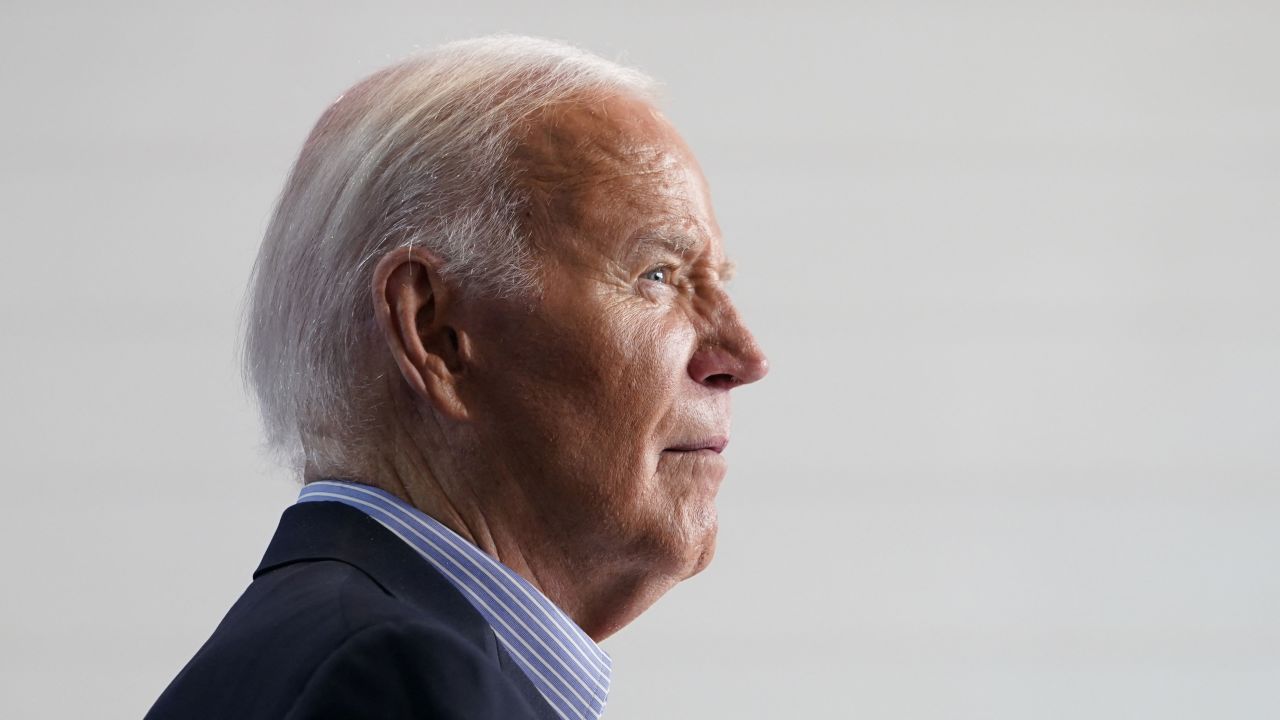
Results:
[722, 380]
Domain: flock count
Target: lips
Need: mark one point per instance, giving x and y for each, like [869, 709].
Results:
[714, 444]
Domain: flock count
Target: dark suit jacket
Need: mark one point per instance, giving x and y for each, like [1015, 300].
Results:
[344, 620]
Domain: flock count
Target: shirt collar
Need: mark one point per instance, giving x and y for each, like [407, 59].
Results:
[570, 670]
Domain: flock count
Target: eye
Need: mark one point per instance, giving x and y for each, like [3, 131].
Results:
[660, 274]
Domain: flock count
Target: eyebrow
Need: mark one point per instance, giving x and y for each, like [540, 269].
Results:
[678, 243]
[682, 244]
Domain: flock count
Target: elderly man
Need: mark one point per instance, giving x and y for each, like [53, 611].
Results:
[489, 321]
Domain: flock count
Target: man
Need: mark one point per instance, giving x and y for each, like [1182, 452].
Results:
[489, 319]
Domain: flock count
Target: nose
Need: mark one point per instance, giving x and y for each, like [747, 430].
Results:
[728, 355]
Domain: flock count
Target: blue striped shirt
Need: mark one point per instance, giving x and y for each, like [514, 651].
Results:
[562, 661]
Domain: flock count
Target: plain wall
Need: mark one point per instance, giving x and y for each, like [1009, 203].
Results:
[1015, 265]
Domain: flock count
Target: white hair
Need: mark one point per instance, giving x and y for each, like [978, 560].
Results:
[418, 154]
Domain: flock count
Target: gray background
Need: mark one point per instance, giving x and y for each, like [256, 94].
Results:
[1014, 263]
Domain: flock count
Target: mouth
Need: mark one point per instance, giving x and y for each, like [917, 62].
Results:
[711, 444]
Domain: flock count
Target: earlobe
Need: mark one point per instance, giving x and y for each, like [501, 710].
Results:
[414, 309]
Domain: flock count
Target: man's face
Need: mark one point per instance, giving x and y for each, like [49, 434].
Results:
[609, 394]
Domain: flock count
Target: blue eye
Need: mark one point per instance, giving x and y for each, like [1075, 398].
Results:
[660, 274]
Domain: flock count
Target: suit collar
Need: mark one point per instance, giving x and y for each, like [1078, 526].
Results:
[332, 531]
[566, 666]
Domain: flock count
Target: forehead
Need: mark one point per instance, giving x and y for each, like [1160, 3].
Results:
[613, 170]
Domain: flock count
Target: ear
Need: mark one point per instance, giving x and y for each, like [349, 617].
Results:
[415, 311]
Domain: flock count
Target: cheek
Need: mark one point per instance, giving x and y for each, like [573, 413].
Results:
[623, 390]
[654, 349]
[653, 377]
[596, 390]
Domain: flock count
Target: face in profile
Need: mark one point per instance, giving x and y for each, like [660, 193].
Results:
[609, 393]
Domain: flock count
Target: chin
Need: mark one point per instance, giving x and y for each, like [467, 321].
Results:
[706, 552]
[679, 536]
[678, 552]
[703, 526]
[701, 547]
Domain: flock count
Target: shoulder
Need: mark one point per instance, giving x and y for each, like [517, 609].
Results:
[407, 668]
[316, 638]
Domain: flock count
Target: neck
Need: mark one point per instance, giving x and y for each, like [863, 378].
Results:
[480, 502]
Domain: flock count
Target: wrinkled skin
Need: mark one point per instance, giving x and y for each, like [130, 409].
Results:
[596, 412]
